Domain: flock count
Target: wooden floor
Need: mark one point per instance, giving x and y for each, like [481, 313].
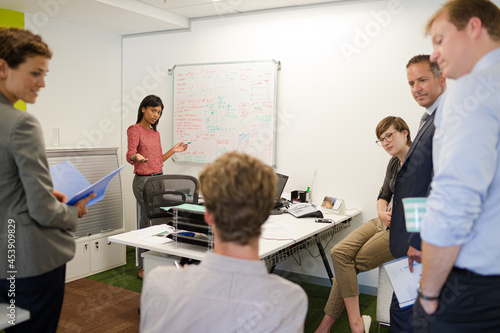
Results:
[92, 306]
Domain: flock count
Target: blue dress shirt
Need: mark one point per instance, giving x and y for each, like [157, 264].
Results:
[463, 207]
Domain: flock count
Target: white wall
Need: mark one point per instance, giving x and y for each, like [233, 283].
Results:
[83, 86]
[343, 70]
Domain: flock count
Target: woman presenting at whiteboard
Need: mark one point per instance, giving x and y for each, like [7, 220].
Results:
[145, 152]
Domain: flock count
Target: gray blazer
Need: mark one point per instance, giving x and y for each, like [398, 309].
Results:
[32, 222]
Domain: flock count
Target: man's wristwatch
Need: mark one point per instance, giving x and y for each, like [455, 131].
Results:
[424, 297]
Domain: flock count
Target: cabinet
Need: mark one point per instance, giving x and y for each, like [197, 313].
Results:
[95, 254]
[153, 259]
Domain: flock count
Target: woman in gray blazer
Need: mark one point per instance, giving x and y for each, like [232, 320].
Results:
[35, 242]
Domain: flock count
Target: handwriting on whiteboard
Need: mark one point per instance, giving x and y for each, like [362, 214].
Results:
[225, 107]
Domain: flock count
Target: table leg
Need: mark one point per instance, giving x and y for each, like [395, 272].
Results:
[325, 261]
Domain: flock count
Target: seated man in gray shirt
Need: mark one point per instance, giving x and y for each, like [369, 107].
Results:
[231, 289]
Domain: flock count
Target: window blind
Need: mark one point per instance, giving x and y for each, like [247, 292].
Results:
[93, 164]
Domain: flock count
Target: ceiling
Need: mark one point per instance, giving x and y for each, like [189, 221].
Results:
[142, 16]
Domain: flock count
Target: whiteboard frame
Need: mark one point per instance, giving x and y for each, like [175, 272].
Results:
[277, 64]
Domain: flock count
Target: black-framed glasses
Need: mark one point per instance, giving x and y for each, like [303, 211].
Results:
[388, 137]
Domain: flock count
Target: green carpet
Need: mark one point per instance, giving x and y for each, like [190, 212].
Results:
[126, 277]
[318, 296]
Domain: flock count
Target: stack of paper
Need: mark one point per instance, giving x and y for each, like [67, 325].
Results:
[403, 281]
[156, 234]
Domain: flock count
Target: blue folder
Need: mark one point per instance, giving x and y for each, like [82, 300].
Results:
[68, 180]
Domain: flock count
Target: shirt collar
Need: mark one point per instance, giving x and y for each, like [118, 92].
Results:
[224, 263]
[489, 59]
[434, 105]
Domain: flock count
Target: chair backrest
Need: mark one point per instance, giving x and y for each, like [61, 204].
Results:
[168, 190]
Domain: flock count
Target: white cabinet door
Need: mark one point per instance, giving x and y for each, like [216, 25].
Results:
[106, 255]
[80, 264]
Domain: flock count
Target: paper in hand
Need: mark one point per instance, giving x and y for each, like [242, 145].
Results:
[404, 283]
[68, 180]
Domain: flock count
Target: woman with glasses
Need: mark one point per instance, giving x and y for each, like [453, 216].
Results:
[367, 247]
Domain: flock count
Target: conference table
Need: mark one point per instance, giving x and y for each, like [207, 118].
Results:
[282, 236]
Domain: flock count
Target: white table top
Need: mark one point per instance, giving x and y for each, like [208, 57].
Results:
[279, 232]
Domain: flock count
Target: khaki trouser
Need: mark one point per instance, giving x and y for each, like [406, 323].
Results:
[365, 248]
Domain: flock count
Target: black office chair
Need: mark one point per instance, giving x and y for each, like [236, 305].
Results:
[166, 191]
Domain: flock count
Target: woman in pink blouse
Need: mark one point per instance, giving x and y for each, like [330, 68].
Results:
[144, 150]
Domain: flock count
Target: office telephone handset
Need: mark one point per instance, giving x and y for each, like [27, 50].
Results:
[304, 210]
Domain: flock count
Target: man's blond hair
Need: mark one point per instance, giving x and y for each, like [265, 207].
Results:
[238, 190]
[459, 12]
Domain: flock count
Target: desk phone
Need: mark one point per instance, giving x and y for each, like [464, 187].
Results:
[304, 210]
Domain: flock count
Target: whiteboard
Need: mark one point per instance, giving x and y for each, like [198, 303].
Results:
[222, 107]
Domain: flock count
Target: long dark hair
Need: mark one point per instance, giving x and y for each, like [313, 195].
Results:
[149, 101]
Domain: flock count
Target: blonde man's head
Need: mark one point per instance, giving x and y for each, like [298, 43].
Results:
[238, 190]
[459, 12]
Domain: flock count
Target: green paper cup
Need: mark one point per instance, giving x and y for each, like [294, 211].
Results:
[414, 212]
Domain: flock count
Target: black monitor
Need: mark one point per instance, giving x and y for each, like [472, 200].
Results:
[280, 186]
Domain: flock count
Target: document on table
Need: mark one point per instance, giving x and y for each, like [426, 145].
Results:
[68, 180]
[156, 234]
[274, 227]
[403, 281]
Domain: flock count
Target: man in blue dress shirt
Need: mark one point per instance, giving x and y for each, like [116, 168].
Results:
[460, 285]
